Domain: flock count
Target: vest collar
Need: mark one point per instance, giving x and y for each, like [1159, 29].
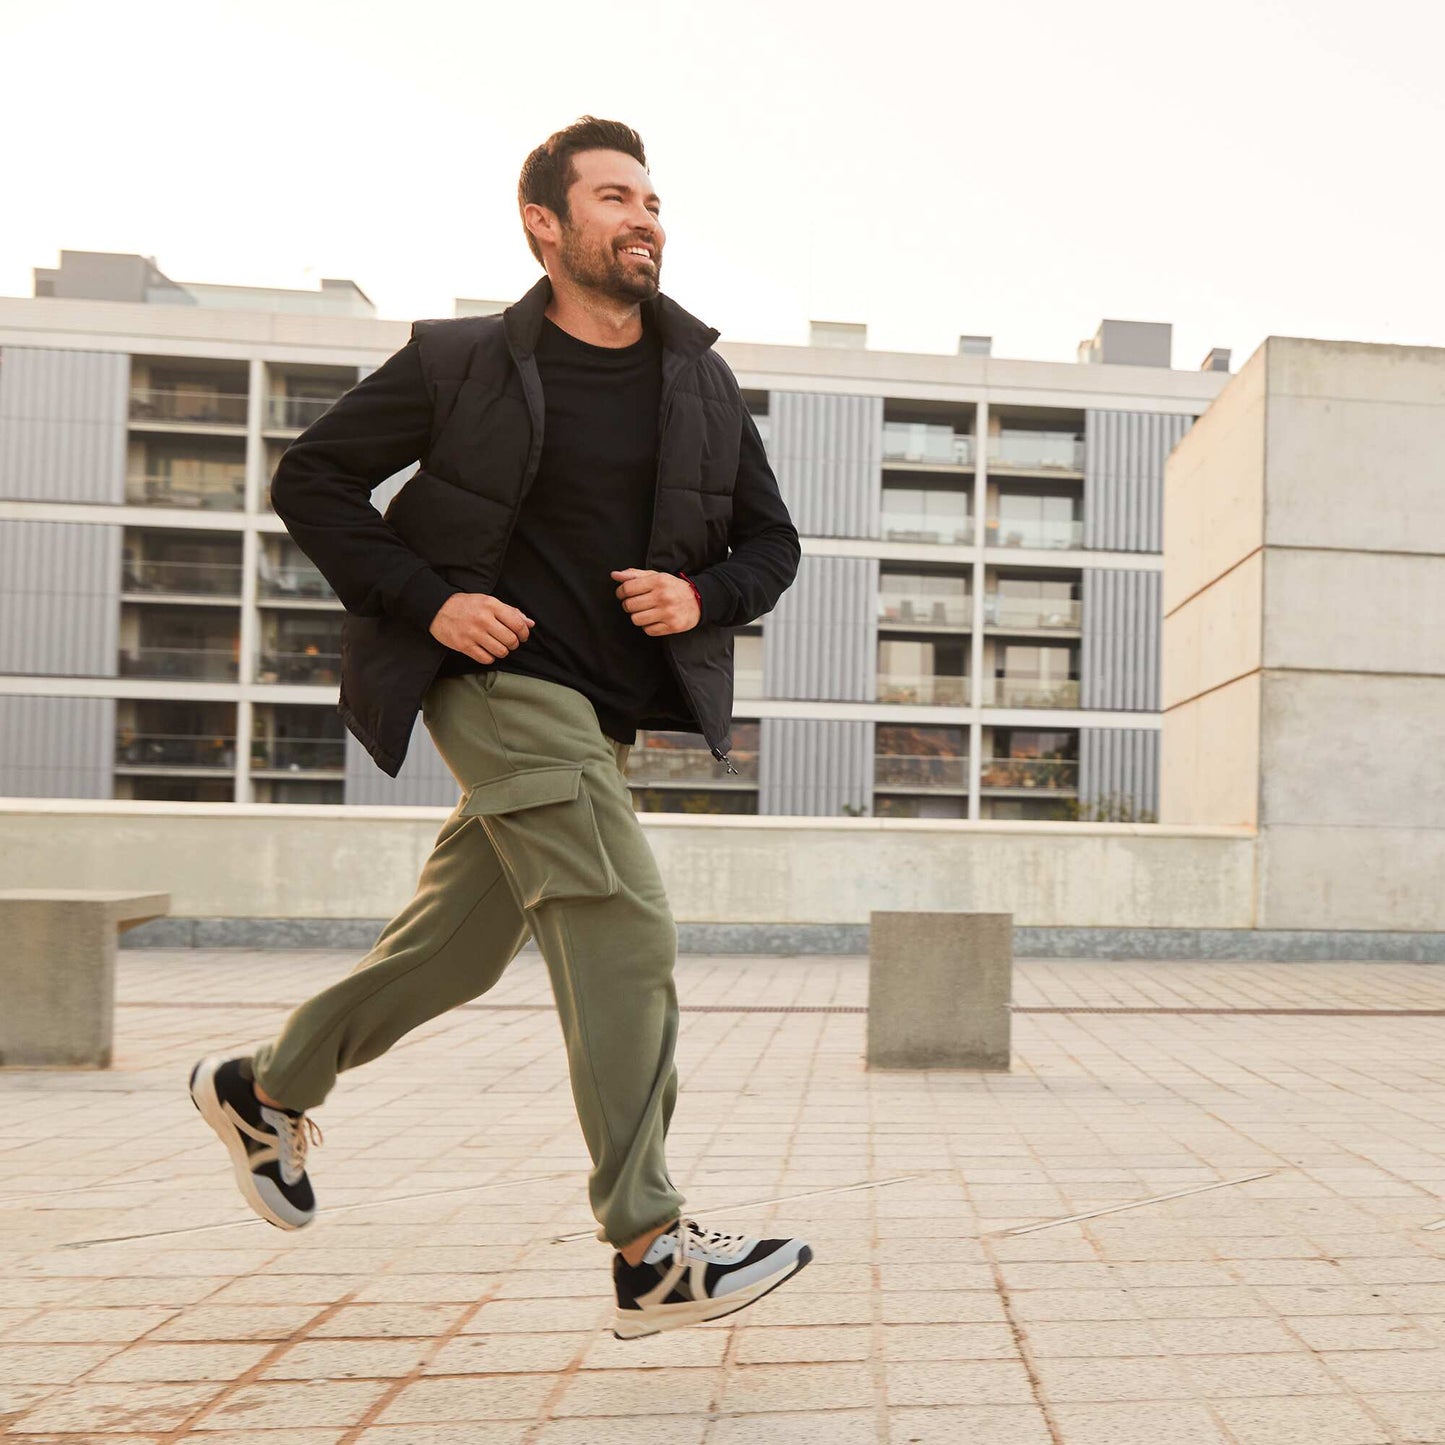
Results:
[680, 330]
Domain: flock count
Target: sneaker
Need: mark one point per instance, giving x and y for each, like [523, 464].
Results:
[267, 1146]
[690, 1275]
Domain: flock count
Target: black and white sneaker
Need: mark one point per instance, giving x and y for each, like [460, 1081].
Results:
[267, 1146]
[690, 1275]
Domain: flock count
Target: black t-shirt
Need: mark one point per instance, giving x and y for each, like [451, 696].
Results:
[589, 511]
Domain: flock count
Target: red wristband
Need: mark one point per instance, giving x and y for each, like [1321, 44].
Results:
[695, 592]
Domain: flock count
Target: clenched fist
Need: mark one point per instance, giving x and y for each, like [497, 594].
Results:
[480, 625]
[658, 602]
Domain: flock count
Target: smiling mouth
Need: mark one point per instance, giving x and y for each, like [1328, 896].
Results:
[638, 255]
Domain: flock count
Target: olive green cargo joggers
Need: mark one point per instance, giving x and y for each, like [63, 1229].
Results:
[543, 841]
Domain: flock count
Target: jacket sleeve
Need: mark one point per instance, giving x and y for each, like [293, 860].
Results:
[763, 542]
[323, 484]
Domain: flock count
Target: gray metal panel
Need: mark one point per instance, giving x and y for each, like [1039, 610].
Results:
[57, 747]
[827, 452]
[813, 766]
[63, 421]
[1119, 654]
[1120, 763]
[822, 635]
[59, 598]
[1124, 454]
[423, 781]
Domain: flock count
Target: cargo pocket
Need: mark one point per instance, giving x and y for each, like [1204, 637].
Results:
[543, 826]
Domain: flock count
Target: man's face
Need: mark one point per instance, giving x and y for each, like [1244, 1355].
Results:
[614, 215]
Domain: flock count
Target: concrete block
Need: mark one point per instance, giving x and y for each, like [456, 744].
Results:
[57, 990]
[939, 987]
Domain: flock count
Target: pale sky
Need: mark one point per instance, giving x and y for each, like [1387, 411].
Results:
[1240, 167]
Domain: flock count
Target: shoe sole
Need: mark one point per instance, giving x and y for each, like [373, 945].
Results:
[205, 1098]
[638, 1324]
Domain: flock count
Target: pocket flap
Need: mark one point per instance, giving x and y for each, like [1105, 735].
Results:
[530, 788]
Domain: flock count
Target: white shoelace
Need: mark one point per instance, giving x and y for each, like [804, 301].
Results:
[293, 1135]
[690, 1239]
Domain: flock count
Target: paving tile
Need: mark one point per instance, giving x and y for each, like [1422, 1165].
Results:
[114, 1408]
[268, 1405]
[327, 1359]
[460, 1401]
[180, 1362]
[639, 1392]
[974, 1424]
[974, 1382]
[831, 1427]
[1309, 1420]
[1132, 1423]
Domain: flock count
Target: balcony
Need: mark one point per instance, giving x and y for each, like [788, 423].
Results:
[1032, 614]
[192, 664]
[289, 583]
[1057, 775]
[912, 609]
[936, 691]
[298, 755]
[202, 579]
[747, 682]
[925, 444]
[648, 766]
[296, 413]
[904, 526]
[1032, 692]
[222, 490]
[920, 771]
[188, 407]
[1040, 532]
[1036, 452]
[313, 668]
[143, 751]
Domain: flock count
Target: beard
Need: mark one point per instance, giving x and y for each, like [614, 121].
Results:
[601, 267]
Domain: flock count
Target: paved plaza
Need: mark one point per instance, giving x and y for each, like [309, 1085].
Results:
[451, 1289]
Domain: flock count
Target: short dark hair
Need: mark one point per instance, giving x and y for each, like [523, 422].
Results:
[548, 172]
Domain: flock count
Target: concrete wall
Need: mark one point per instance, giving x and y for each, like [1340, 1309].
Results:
[1304, 648]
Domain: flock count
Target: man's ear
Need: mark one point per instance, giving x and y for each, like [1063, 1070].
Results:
[542, 223]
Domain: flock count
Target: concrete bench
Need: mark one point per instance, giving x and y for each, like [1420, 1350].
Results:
[939, 988]
[57, 983]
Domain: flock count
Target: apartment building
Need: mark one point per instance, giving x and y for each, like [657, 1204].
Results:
[973, 633]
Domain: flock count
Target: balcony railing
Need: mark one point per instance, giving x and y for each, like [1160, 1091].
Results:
[910, 770]
[174, 750]
[1036, 452]
[928, 444]
[1034, 532]
[1029, 614]
[299, 667]
[1033, 692]
[910, 687]
[298, 755]
[296, 413]
[198, 664]
[214, 579]
[651, 765]
[925, 611]
[1054, 774]
[224, 491]
[747, 682]
[297, 581]
[216, 408]
[927, 527]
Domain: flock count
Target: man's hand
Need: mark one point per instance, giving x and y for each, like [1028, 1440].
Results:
[480, 625]
[658, 602]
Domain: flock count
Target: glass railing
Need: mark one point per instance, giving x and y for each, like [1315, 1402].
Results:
[173, 750]
[1061, 774]
[911, 609]
[299, 667]
[1037, 452]
[298, 755]
[648, 765]
[910, 687]
[191, 407]
[1029, 613]
[200, 664]
[1034, 532]
[1032, 692]
[926, 443]
[295, 582]
[216, 579]
[926, 527]
[296, 413]
[224, 491]
[908, 770]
